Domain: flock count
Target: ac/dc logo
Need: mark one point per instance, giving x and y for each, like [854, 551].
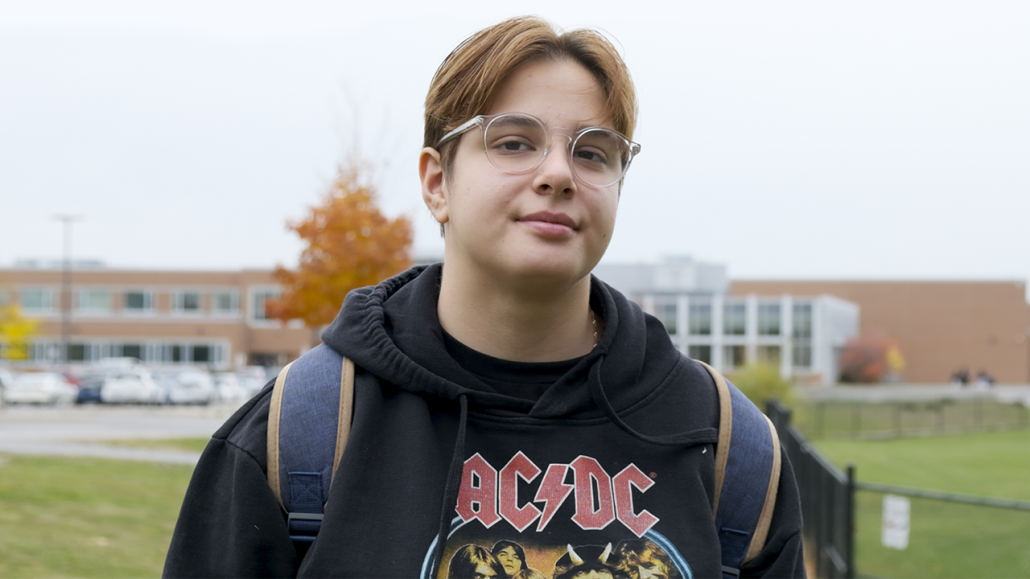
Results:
[489, 495]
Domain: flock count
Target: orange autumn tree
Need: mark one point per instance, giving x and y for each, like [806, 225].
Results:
[350, 244]
[870, 358]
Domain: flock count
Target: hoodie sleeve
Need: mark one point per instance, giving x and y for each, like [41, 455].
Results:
[230, 524]
[783, 555]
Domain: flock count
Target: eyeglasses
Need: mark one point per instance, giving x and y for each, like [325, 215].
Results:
[519, 143]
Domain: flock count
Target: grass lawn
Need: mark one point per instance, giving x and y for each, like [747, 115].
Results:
[190, 444]
[946, 539]
[88, 517]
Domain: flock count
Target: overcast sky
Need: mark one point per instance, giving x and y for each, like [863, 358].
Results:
[868, 140]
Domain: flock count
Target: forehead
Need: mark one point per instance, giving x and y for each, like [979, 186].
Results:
[562, 93]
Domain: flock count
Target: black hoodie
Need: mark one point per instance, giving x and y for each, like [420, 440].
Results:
[610, 469]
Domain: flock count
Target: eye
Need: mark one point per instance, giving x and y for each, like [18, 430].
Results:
[590, 155]
[513, 144]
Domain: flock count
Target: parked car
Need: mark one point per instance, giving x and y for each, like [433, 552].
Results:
[228, 387]
[6, 379]
[186, 386]
[133, 385]
[39, 388]
[89, 388]
[251, 381]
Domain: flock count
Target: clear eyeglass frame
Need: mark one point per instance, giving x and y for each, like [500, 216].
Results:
[530, 162]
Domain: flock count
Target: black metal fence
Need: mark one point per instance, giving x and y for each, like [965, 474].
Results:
[827, 500]
[953, 535]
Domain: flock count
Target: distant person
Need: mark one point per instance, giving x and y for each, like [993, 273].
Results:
[984, 380]
[960, 377]
[505, 393]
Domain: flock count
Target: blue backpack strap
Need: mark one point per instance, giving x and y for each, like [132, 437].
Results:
[308, 423]
[747, 475]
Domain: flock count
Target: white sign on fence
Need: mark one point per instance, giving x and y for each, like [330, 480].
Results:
[896, 511]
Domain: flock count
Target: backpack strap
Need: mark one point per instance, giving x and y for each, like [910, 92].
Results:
[308, 423]
[747, 476]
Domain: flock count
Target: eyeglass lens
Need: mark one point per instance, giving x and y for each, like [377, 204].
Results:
[518, 143]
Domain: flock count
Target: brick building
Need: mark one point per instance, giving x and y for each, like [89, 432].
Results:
[940, 326]
[210, 318]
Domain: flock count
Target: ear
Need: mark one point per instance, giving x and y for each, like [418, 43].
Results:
[430, 172]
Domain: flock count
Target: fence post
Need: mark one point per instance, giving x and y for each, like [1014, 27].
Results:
[849, 529]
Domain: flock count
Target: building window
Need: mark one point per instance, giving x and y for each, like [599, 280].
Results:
[225, 302]
[768, 319]
[186, 302]
[733, 357]
[77, 353]
[260, 297]
[802, 321]
[202, 354]
[734, 319]
[137, 301]
[768, 355]
[665, 311]
[36, 300]
[700, 320]
[93, 301]
[802, 356]
[700, 353]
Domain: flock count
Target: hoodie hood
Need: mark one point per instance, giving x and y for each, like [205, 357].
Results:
[392, 330]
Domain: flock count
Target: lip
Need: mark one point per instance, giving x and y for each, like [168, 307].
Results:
[551, 218]
[551, 225]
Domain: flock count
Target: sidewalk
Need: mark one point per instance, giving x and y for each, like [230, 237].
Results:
[83, 430]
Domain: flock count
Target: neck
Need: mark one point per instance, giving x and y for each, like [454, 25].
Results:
[530, 323]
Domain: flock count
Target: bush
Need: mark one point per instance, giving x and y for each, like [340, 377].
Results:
[762, 383]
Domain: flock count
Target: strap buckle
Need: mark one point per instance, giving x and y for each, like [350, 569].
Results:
[303, 527]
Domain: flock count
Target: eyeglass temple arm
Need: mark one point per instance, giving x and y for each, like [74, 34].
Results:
[461, 129]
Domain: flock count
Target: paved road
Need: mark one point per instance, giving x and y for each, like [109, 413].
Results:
[83, 430]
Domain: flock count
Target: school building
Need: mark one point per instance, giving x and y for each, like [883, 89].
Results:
[209, 318]
[217, 318]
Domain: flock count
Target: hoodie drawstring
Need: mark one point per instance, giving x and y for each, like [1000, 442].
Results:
[601, 400]
[450, 495]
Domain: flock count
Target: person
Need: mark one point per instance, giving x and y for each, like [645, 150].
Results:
[474, 562]
[511, 555]
[505, 394]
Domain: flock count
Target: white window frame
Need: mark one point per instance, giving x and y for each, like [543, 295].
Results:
[178, 297]
[252, 305]
[213, 302]
[82, 291]
[148, 308]
[50, 297]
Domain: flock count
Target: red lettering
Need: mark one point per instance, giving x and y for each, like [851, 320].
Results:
[518, 467]
[552, 492]
[477, 498]
[587, 472]
[631, 476]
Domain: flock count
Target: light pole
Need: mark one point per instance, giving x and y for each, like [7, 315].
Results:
[66, 284]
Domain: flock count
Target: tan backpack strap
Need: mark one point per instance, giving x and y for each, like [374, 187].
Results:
[722, 448]
[765, 520]
[346, 410]
[272, 445]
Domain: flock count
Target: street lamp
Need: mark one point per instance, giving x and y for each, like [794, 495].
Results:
[66, 283]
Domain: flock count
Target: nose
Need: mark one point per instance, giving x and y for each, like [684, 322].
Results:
[555, 174]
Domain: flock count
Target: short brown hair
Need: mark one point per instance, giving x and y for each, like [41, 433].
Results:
[468, 78]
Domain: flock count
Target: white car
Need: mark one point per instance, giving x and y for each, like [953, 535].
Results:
[133, 385]
[40, 388]
[229, 387]
[187, 387]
